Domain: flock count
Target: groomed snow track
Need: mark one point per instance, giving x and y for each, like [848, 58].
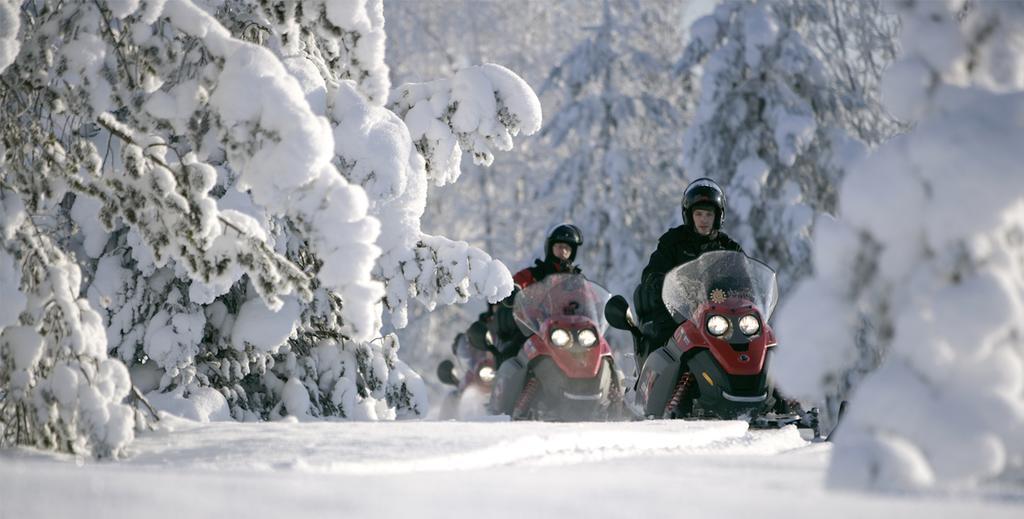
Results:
[457, 469]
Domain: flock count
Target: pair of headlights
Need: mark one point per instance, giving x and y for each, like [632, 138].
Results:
[563, 339]
[719, 326]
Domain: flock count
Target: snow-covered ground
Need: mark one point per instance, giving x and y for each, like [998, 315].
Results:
[459, 469]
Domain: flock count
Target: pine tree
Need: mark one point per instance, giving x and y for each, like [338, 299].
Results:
[508, 209]
[775, 120]
[922, 273]
[615, 135]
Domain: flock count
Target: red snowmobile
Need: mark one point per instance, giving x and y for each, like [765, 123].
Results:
[716, 363]
[472, 374]
[564, 370]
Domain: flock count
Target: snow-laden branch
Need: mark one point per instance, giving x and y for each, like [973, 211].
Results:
[477, 111]
[58, 389]
[283, 152]
[375, 150]
[221, 246]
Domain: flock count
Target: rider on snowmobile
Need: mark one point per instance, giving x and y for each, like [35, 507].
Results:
[703, 207]
[559, 252]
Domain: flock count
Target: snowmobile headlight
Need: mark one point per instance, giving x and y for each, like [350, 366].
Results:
[560, 337]
[749, 324]
[486, 373]
[588, 338]
[717, 325]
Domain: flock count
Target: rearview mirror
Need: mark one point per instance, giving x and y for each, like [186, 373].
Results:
[618, 314]
[478, 336]
[446, 373]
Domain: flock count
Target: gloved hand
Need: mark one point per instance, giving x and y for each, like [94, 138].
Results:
[649, 330]
[510, 300]
[455, 344]
[507, 327]
[648, 297]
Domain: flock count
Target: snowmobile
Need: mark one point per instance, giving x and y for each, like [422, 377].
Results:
[472, 373]
[565, 370]
[716, 363]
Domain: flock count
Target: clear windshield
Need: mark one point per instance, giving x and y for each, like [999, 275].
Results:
[561, 295]
[715, 277]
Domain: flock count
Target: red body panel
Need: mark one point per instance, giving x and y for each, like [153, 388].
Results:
[692, 334]
[576, 362]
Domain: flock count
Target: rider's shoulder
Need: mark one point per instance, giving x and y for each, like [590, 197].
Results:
[524, 278]
[673, 235]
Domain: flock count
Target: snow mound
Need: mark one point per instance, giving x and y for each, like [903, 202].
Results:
[263, 328]
[200, 405]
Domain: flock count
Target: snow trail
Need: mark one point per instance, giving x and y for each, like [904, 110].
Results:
[729, 438]
[418, 447]
[425, 469]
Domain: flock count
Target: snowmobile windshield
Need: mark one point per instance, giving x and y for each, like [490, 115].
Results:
[561, 295]
[716, 277]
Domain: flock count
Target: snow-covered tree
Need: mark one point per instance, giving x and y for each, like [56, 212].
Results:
[508, 209]
[773, 122]
[926, 265]
[239, 198]
[478, 111]
[855, 42]
[615, 134]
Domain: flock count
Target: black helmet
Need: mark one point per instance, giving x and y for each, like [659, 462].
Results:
[704, 191]
[564, 233]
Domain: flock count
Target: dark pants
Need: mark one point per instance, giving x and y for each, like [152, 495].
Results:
[508, 349]
[655, 334]
[656, 326]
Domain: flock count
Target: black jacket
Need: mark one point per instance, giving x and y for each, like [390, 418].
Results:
[677, 246]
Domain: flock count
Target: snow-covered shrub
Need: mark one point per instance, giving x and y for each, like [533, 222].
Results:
[926, 265]
[773, 124]
[227, 177]
[58, 388]
[362, 381]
